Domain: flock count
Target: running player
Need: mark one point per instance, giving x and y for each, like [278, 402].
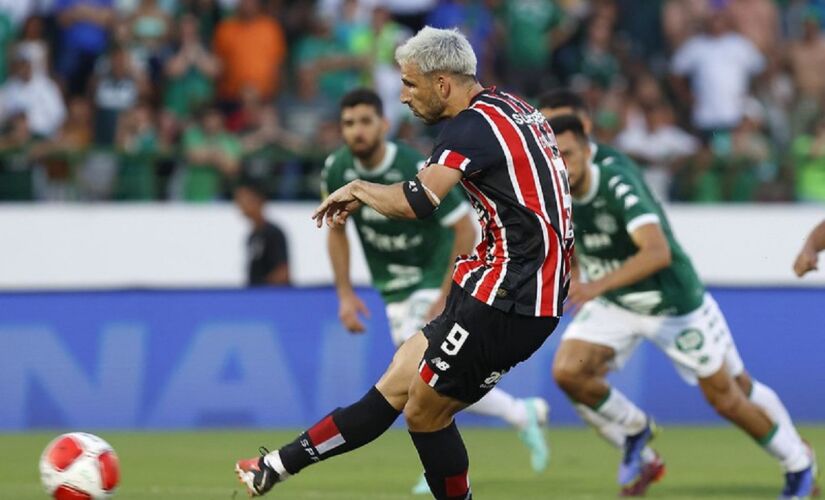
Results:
[806, 261]
[641, 285]
[410, 261]
[506, 297]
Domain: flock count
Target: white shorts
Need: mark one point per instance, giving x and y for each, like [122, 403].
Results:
[697, 343]
[409, 316]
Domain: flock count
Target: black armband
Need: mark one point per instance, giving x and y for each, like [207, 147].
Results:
[416, 194]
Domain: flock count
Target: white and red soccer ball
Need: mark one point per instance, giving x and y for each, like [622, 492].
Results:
[79, 466]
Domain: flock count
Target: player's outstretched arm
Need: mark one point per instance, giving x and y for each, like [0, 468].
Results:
[413, 199]
[806, 261]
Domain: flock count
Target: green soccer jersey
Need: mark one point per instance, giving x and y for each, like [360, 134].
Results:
[403, 255]
[617, 203]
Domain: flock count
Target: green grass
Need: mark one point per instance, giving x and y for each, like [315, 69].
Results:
[703, 463]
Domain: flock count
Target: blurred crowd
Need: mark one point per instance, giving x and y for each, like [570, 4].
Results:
[717, 100]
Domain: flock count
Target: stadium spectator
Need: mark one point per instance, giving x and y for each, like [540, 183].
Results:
[387, 36]
[137, 144]
[17, 11]
[150, 28]
[38, 96]
[757, 20]
[809, 156]
[806, 57]
[251, 48]
[190, 71]
[33, 45]
[212, 158]
[16, 164]
[719, 64]
[84, 36]
[116, 89]
[267, 256]
[532, 30]
[658, 145]
[681, 20]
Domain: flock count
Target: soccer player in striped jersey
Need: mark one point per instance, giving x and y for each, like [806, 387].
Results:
[505, 299]
[410, 261]
[640, 285]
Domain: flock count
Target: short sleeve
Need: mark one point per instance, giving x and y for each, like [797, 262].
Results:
[632, 201]
[683, 61]
[329, 181]
[467, 143]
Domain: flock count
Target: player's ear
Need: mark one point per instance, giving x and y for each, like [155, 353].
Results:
[385, 125]
[443, 86]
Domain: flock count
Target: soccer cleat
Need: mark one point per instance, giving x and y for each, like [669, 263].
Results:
[802, 484]
[533, 436]
[256, 475]
[421, 487]
[632, 464]
[652, 472]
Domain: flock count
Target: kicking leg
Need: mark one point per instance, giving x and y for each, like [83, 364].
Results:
[579, 369]
[343, 430]
[433, 431]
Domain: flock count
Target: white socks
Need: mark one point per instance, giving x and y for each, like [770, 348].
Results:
[612, 432]
[785, 444]
[765, 397]
[498, 403]
[620, 410]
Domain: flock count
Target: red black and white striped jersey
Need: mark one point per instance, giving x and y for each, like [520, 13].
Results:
[517, 182]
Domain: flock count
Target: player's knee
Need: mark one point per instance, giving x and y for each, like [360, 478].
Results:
[423, 418]
[569, 377]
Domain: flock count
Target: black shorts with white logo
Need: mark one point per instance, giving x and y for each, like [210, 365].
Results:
[472, 345]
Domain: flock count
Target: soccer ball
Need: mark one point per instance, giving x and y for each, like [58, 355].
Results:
[79, 466]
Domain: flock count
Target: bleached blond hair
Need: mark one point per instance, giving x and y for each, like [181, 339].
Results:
[433, 49]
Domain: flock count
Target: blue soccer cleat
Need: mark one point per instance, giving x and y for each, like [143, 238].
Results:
[802, 484]
[632, 465]
[533, 436]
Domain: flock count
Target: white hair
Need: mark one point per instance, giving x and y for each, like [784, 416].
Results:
[433, 49]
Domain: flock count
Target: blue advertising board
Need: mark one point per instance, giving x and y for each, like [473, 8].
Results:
[279, 358]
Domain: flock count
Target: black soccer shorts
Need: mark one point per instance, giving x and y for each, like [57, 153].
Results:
[472, 345]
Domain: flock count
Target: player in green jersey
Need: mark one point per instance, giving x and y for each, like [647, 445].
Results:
[806, 261]
[640, 285]
[410, 260]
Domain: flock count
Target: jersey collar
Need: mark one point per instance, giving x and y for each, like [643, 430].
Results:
[386, 163]
[594, 150]
[595, 174]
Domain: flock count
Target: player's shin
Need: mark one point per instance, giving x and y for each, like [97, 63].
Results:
[618, 409]
[445, 462]
[765, 397]
[343, 430]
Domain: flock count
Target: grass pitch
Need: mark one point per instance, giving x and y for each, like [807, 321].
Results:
[703, 463]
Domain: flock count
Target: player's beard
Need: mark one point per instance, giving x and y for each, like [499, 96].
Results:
[365, 150]
[432, 110]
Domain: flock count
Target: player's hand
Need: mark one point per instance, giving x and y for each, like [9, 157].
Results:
[806, 261]
[337, 207]
[348, 311]
[437, 307]
[580, 293]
